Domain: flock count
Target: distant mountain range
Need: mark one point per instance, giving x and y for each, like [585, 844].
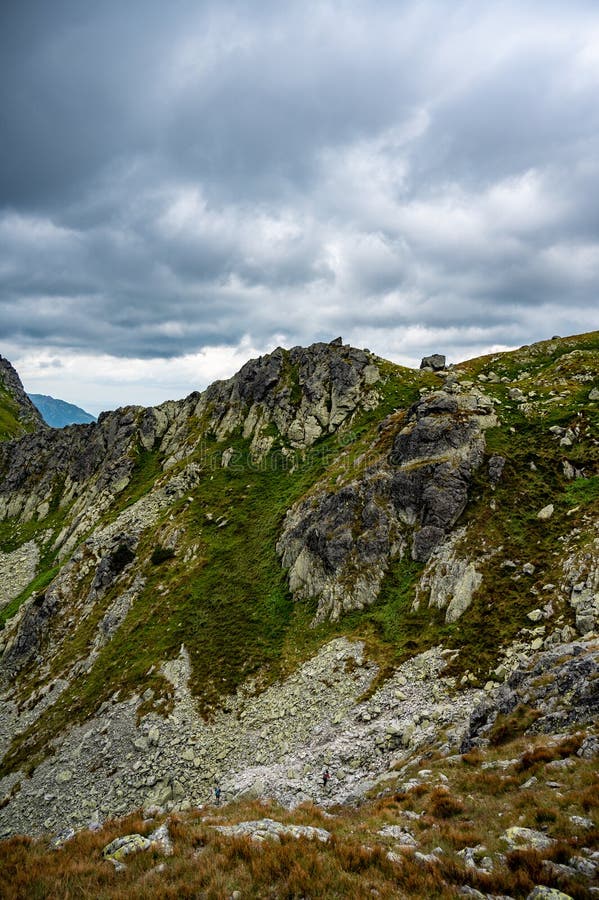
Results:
[58, 413]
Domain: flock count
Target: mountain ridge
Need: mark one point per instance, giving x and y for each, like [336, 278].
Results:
[323, 524]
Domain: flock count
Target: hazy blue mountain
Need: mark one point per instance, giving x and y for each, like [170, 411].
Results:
[59, 413]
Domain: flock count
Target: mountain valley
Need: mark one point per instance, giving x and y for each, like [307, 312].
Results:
[326, 562]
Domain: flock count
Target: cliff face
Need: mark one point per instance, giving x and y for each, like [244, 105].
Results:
[17, 413]
[338, 545]
[297, 543]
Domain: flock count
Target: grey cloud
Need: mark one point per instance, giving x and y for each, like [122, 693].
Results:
[181, 180]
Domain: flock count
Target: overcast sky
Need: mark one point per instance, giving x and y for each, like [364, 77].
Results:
[187, 184]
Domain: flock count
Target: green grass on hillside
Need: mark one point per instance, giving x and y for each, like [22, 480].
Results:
[229, 603]
[11, 425]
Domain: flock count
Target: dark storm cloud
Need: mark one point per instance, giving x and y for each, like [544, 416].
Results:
[176, 176]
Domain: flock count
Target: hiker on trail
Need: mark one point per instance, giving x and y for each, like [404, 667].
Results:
[325, 778]
[217, 793]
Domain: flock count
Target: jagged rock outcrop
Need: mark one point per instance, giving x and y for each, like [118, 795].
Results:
[304, 392]
[337, 545]
[52, 466]
[83, 468]
[560, 685]
[434, 457]
[436, 362]
[451, 577]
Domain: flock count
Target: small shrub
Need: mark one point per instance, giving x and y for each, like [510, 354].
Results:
[561, 852]
[474, 757]
[512, 725]
[443, 806]
[529, 861]
[534, 757]
[589, 799]
[161, 554]
[548, 752]
[418, 790]
[544, 816]
[354, 857]
[570, 745]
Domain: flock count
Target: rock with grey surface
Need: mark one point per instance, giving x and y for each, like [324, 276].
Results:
[337, 545]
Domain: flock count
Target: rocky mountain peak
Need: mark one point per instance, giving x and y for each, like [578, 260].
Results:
[306, 392]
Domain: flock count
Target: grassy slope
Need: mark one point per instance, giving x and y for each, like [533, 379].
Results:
[229, 603]
[533, 477]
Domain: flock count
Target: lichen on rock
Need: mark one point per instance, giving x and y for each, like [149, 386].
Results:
[338, 544]
[451, 577]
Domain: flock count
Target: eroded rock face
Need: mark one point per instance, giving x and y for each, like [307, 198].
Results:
[305, 392]
[338, 545]
[451, 577]
[84, 579]
[581, 572]
[63, 463]
[433, 459]
[17, 569]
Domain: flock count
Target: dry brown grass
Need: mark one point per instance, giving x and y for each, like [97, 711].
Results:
[544, 753]
[208, 864]
[473, 806]
[589, 799]
[443, 806]
[508, 727]
[474, 757]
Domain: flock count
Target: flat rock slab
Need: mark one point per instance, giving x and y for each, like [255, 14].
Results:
[519, 838]
[121, 847]
[268, 829]
[541, 892]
